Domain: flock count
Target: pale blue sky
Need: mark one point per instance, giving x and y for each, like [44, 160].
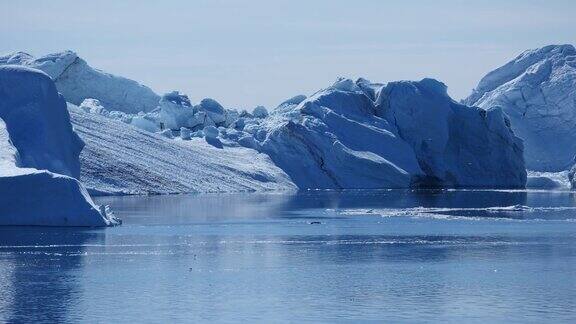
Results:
[247, 53]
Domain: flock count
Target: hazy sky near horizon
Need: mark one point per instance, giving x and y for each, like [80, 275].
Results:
[258, 52]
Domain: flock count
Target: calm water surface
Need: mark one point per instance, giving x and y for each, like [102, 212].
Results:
[448, 256]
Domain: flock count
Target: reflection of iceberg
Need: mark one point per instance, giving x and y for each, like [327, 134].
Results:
[37, 277]
[197, 208]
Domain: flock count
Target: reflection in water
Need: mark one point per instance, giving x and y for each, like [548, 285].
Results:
[300, 257]
[42, 264]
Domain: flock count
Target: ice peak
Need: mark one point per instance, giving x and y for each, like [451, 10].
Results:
[296, 100]
[16, 58]
[211, 105]
[434, 86]
[344, 84]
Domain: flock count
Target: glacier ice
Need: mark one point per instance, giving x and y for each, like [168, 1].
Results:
[122, 159]
[38, 122]
[537, 90]
[77, 81]
[411, 134]
[39, 163]
[353, 134]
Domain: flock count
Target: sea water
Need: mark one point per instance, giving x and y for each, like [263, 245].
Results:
[447, 256]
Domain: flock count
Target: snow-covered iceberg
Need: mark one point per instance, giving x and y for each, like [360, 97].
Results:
[537, 90]
[122, 159]
[77, 81]
[350, 135]
[39, 156]
[403, 134]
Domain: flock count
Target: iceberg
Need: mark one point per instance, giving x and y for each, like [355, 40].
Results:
[353, 134]
[120, 158]
[537, 91]
[76, 81]
[399, 135]
[39, 163]
[548, 180]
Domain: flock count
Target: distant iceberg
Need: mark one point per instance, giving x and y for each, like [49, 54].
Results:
[77, 81]
[537, 90]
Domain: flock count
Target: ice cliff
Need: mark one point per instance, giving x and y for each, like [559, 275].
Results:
[403, 134]
[537, 90]
[39, 156]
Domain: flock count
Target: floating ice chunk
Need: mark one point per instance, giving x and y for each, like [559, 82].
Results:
[38, 121]
[548, 180]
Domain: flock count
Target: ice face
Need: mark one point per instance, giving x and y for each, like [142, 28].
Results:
[38, 121]
[39, 156]
[412, 135]
[537, 91]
